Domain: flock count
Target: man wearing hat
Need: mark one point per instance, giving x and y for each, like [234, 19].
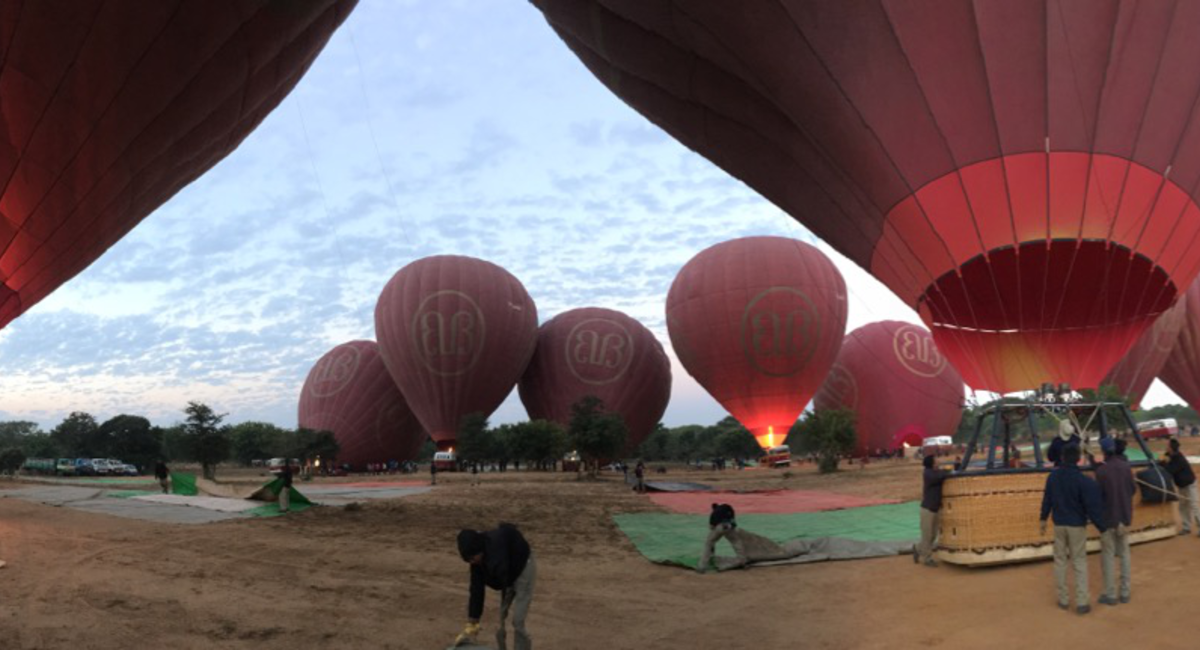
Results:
[499, 559]
[1116, 490]
[1066, 436]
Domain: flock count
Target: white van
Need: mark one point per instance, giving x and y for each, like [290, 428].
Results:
[1165, 428]
[937, 446]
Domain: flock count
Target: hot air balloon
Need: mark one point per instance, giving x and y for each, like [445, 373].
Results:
[1133, 374]
[899, 385]
[350, 393]
[757, 322]
[1023, 174]
[455, 333]
[110, 108]
[599, 352]
[1181, 372]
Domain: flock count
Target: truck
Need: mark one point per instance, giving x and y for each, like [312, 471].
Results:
[780, 456]
[38, 466]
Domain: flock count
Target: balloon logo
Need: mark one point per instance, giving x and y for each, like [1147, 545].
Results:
[599, 351]
[916, 351]
[448, 334]
[779, 330]
[841, 387]
[334, 371]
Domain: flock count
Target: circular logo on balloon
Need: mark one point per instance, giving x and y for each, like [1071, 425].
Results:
[448, 333]
[599, 351]
[916, 351]
[334, 371]
[841, 387]
[779, 331]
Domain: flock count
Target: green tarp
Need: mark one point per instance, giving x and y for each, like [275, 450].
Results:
[184, 484]
[678, 539]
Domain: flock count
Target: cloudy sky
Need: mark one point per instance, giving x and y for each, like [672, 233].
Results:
[424, 128]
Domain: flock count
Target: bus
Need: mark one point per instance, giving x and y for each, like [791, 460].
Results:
[1165, 428]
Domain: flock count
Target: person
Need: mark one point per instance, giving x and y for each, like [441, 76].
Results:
[1066, 436]
[1185, 480]
[432, 473]
[1073, 499]
[1195, 431]
[500, 559]
[285, 489]
[1116, 491]
[474, 473]
[639, 473]
[931, 506]
[163, 475]
[722, 522]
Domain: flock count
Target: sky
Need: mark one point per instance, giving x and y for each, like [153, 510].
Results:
[424, 128]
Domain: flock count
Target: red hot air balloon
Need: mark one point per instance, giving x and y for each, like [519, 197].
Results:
[456, 333]
[600, 352]
[899, 385]
[350, 393]
[1024, 174]
[1181, 372]
[1134, 374]
[758, 321]
[110, 108]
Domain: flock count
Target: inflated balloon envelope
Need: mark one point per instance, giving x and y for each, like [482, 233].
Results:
[1023, 174]
[110, 108]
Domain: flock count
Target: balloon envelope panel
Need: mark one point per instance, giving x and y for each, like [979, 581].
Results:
[1181, 372]
[600, 352]
[1023, 174]
[899, 385]
[350, 393]
[758, 322]
[1134, 374]
[110, 108]
[456, 333]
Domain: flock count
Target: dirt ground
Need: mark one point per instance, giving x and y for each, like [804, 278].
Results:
[386, 575]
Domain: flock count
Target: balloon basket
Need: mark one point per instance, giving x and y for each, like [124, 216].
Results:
[991, 509]
[995, 519]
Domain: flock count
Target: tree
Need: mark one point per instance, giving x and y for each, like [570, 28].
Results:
[595, 434]
[13, 433]
[255, 440]
[476, 442]
[539, 442]
[11, 460]
[828, 433]
[209, 441]
[132, 439]
[75, 435]
[656, 446]
[38, 445]
[316, 444]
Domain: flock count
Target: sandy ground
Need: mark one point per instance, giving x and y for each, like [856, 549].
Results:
[386, 575]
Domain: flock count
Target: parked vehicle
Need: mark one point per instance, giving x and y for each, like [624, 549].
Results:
[128, 470]
[780, 456]
[1165, 428]
[38, 466]
[571, 461]
[940, 446]
[84, 467]
[275, 465]
[102, 467]
[65, 467]
[445, 461]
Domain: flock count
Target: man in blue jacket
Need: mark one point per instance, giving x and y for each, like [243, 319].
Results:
[499, 559]
[1073, 499]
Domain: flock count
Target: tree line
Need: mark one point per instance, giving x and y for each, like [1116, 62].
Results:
[202, 437]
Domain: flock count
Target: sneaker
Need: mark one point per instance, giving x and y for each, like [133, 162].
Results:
[931, 562]
[1064, 606]
[1125, 599]
[1107, 600]
[1083, 609]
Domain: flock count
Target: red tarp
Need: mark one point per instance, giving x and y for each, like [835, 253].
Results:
[775, 502]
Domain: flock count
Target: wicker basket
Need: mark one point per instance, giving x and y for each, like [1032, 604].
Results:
[994, 519]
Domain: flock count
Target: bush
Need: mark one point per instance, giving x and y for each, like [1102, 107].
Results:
[828, 434]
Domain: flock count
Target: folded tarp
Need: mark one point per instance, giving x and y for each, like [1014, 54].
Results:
[870, 531]
[766, 502]
[676, 486]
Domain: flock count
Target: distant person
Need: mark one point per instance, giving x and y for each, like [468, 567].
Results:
[285, 489]
[639, 473]
[432, 473]
[1066, 436]
[1116, 491]
[1185, 480]
[163, 475]
[931, 506]
[474, 473]
[1195, 431]
[1072, 499]
[500, 559]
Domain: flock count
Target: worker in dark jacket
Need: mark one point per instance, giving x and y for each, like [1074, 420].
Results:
[931, 506]
[1073, 499]
[1066, 436]
[1116, 490]
[499, 559]
[163, 476]
[1185, 480]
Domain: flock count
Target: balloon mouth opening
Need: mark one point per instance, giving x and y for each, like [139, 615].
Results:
[768, 439]
[1061, 284]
